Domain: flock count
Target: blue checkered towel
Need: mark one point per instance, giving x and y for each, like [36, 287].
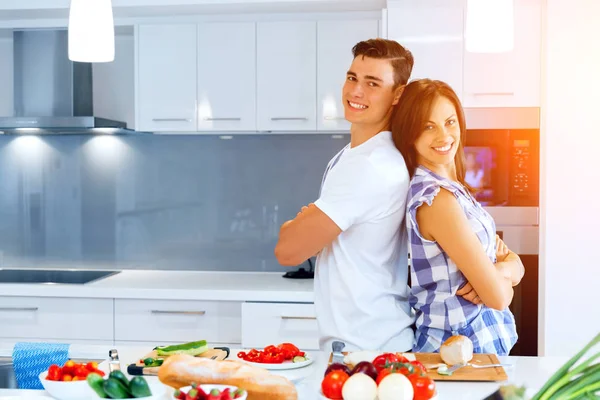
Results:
[31, 359]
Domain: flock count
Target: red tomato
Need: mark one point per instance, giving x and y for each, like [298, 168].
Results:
[332, 384]
[383, 374]
[423, 386]
[68, 367]
[383, 361]
[420, 365]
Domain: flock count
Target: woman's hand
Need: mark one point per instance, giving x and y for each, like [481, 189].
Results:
[501, 250]
[468, 293]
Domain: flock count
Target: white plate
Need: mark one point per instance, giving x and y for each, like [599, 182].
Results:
[284, 365]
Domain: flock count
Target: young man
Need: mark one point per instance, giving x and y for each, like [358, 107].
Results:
[357, 225]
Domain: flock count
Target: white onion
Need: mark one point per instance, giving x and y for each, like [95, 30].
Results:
[394, 387]
[359, 387]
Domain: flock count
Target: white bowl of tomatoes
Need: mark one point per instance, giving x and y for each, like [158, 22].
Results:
[69, 381]
[387, 377]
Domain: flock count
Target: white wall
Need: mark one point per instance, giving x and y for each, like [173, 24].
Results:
[570, 204]
[114, 84]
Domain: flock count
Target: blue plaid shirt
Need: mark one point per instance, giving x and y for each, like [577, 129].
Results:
[435, 278]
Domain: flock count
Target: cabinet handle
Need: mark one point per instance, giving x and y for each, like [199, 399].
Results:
[223, 119]
[18, 308]
[333, 118]
[171, 120]
[178, 312]
[289, 119]
[494, 94]
[302, 318]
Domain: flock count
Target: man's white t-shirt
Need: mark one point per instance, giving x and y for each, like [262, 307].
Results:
[361, 288]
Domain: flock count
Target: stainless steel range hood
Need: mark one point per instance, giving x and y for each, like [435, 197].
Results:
[52, 95]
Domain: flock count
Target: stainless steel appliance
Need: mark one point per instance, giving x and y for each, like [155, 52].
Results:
[502, 154]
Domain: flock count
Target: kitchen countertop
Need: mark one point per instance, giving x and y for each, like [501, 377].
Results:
[530, 371]
[178, 285]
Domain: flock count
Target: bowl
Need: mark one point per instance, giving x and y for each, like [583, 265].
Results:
[80, 390]
[208, 387]
[70, 390]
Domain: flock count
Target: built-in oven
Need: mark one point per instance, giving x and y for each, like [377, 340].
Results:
[502, 160]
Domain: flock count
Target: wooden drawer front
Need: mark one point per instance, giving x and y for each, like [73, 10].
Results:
[56, 318]
[177, 321]
[273, 323]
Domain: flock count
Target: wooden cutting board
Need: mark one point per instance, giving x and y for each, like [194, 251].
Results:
[217, 353]
[494, 374]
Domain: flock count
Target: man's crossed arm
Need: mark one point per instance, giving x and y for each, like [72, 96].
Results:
[304, 236]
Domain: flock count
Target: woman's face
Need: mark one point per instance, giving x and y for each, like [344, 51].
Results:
[439, 140]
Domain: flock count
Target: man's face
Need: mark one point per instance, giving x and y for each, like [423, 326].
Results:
[368, 93]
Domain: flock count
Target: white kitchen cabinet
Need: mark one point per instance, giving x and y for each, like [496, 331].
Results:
[56, 318]
[433, 32]
[264, 324]
[510, 79]
[335, 40]
[286, 76]
[176, 321]
[166, 77]
[227, 76]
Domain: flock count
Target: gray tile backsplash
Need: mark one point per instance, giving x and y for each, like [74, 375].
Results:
[181, 202]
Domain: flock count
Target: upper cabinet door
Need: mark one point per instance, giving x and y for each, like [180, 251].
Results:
[166, 78]
[433, 32]
[227, 76]
[287, 68]
[509, 79]
[335, 40]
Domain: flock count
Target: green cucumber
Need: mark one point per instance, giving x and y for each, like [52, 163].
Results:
[139, 387]
[115, 389]
[120, 376]
[299, 359]
[96, 382]
[191, 348]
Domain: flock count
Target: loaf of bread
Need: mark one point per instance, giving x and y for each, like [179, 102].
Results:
[183, 370]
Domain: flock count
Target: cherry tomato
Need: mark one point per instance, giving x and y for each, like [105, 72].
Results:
[332, 384]
[67, 378]
[91, 366]
[383, 361]
[54, 373]
[423, 386]
[68, 367]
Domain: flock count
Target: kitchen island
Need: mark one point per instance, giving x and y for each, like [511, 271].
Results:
[529, 371]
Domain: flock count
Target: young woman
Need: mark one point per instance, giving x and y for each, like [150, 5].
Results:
[462, 274]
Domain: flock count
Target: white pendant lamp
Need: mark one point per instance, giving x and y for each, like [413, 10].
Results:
[490, 26]
[91, 31]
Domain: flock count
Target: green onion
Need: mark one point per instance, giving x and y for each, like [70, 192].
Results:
[581, 381]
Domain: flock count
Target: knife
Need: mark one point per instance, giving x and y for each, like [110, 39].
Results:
[337, 356]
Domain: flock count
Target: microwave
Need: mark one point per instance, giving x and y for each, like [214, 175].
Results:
[502, 166]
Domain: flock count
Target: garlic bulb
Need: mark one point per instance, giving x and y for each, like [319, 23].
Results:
[457, 350]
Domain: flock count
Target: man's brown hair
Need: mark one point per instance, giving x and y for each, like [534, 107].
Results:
[383, 49]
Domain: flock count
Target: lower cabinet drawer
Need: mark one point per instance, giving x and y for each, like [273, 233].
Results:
[56, 318]
[176, 321]
[273, 323]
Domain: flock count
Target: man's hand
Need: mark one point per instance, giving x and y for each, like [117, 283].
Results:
[468, 293]
[304, 236]
[501, 250]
